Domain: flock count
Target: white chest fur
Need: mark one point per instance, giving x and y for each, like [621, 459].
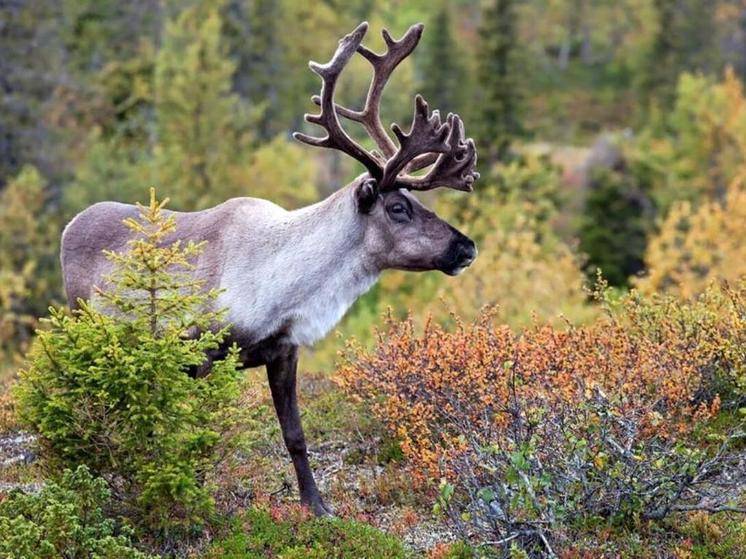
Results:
[322, 310]
[308, 301]
[299, 271]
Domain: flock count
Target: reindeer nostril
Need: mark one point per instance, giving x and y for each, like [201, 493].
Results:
[468, 250]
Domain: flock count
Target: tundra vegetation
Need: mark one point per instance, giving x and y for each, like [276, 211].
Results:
[579, 392]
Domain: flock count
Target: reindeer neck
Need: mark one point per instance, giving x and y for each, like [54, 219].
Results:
[309, 269]
[332, 233]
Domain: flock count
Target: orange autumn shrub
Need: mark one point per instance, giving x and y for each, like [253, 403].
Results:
[531, 433]
[418, 384]
[709, 327]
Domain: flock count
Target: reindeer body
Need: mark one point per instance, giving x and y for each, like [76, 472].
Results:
[278, 271]
[287, 277]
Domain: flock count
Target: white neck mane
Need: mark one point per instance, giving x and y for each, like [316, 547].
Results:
[299, 270]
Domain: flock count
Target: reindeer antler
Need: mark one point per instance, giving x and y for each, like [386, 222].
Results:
[454, 168]
[336, 137]
[383, 66]
[429, 142]
[426, 135]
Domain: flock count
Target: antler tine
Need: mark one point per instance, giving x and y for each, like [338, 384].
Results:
[426, 135]
[336, 137]
[453, 168]
[442, 146]
[421, 162]
[383, 66]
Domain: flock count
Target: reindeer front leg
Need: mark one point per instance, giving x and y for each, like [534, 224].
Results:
[282, 373]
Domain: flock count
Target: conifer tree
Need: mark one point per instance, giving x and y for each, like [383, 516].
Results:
[255, 39]
[30, 69]
[499, 88]
[154, 279]
[111, 390]
[683, 42]
[442, 71]
[200, 124]
[97, 32]
[614, 225]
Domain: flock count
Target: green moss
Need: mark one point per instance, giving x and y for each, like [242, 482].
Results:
[65, 519]
[259, 536]
[390, 451]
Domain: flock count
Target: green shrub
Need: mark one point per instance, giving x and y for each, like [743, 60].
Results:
[111, 389]
[293, 534]
[64, 519]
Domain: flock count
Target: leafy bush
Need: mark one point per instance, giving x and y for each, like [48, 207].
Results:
[291, 533]
[65, 519]
[111, 389]
[416, 384]
[697, 245]
[710, 328]
[28, 260]
[533, 432]
[699, 147]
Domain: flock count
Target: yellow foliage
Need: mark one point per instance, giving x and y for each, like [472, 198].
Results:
[696, 246]
[523, 277]
[710, 328]
[706, 146]
[28, 257]
[280, 171]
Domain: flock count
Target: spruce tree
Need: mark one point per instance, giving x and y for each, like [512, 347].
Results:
[201, 127]
[498, 83]
[442, 72]
[613, 230]
[107, 386]
[254, 36]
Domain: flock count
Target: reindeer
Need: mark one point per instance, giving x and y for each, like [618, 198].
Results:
[287, 277]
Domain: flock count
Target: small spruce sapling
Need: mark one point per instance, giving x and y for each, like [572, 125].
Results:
[108, 385]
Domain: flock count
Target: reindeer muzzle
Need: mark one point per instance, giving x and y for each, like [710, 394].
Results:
[460, 254]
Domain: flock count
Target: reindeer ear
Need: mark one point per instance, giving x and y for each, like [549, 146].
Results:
[366, 195]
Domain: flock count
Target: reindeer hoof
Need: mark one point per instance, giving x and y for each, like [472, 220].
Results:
[321, 509]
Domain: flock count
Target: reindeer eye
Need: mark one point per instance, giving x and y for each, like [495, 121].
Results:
[399, 212]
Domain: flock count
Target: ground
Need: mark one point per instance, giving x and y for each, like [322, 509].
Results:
[362, 474]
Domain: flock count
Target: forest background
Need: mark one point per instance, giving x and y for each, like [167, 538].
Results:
[602, 127]
[611, 137]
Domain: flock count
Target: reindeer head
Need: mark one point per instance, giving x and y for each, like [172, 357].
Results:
[400, 232]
